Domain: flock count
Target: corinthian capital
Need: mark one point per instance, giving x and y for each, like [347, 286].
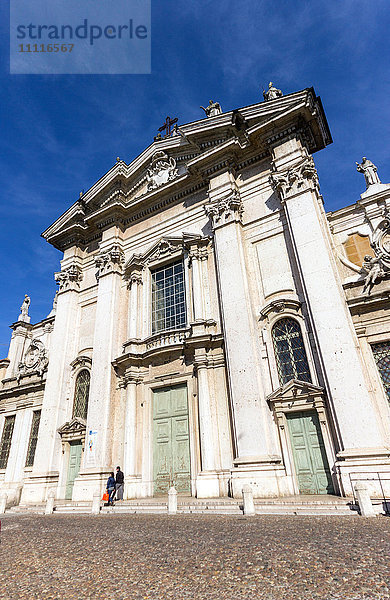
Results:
[224, 211]
[295, 180]
[69, 278]
[109, 261]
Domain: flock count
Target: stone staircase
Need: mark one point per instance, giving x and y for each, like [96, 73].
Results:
[293, 505]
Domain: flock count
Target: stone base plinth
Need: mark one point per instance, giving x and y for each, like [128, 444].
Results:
[267, 479]
[89, 481]
[369, 465]
[37, 486]
[207, 485]
[134, 488]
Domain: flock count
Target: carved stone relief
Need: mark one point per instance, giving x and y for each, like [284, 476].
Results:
[35, 360]
[162, 169]
[378, 267]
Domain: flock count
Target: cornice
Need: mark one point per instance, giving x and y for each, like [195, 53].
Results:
[110, 199]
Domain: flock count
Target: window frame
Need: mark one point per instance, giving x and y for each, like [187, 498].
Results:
[308, 357]
[76, 377]
[33, 439]
[3, 466]
[385, 387]
[155, 266]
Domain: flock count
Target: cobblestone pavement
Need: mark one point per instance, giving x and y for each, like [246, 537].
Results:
[194, 557]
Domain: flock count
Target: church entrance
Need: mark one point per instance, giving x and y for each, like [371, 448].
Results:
[311, 464]
[171, 441]
[73, 467]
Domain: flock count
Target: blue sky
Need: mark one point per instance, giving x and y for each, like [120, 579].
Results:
[59, 134]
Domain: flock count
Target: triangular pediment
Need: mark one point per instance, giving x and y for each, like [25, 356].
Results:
[176, 166]
[295, 389]
[76, 426]
[166, 247]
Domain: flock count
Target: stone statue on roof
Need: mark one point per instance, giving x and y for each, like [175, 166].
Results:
[369, 171]
[272, 92]
[213, 109]
[24, 316]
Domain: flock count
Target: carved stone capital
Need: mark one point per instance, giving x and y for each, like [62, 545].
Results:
[225, 211]
[110, 261]
[69, 279]
[135, 278]
[295, 180]
[198, 249]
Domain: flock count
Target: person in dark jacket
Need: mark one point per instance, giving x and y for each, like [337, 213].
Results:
[111, 488]
[119, 483]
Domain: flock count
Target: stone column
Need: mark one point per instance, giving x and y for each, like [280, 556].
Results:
[295, 179]
[54, 408]
[251, 415]
[106, 347]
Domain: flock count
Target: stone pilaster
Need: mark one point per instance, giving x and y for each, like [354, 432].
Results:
[295, 179]
[251, 416]
[197, 254]
[54, 407]
[134, 284]
[106, 346]
[207, 481]
[132, 478]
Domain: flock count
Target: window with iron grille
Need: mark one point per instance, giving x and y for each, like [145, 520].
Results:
[6, 439]
[32, 444]
[381, 353]
[168, 298]
[80, 405]
[291, 358]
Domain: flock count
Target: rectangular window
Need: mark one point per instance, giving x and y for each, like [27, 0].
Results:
[168, 298]
[32, 444]
[381, 353]
[6, 439]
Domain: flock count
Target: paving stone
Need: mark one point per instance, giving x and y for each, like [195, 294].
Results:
[160, 557]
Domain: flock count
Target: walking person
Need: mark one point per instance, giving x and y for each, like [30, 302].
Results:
[119, 483]
[111, 488]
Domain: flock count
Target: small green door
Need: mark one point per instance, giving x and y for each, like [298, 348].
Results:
[311, 464]
[171, 440]
[73, 467]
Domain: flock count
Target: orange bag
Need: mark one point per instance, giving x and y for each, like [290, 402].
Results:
[106, 497]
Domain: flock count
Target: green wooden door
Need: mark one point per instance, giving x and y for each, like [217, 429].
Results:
[311, 464]
[171, 441]
[73, 468]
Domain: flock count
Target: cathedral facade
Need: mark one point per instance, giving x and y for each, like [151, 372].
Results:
[213, 326]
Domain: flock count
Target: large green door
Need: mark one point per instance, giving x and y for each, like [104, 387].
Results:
[171, 441]
[311, 464]
[73, 467]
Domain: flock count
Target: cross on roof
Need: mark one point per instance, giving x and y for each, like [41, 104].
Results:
[167, 126]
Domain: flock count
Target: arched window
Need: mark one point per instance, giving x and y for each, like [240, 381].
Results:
[290, 352]
[80, 405]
